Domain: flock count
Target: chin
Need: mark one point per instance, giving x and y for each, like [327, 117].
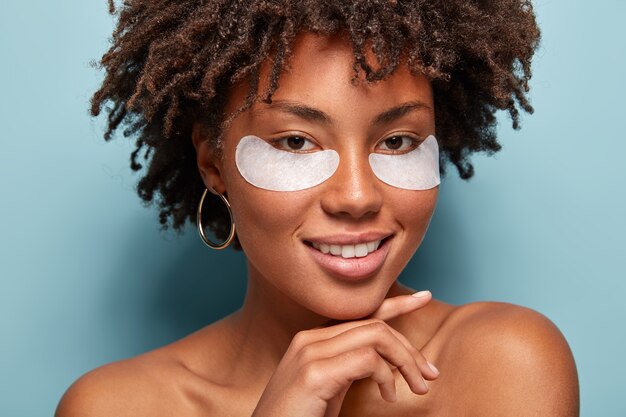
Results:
[349, 311]
[352, 303]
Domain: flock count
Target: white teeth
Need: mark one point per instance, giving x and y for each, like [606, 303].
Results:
[348, 251]
[360, 250]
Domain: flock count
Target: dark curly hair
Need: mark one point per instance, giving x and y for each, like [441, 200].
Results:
[172, 63]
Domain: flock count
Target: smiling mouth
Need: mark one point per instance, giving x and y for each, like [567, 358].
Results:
[358, 250]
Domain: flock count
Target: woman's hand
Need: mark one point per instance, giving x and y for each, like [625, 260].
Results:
[320, 364]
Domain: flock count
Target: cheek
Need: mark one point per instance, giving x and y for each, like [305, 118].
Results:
[414, 210]
[265, 216]
[266, 226]
[260, 211]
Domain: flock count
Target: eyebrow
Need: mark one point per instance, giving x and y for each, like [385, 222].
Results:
[397, 112]
[301, 110]
[315, 115]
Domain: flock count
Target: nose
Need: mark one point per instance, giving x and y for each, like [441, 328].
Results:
[353, 190]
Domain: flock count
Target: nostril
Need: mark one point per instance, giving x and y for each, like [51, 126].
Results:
[353, 191]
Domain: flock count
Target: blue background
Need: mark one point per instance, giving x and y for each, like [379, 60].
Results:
[87, 278]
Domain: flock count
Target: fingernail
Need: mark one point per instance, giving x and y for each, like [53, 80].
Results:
[424, 384]
[420, 294]
[433, 367]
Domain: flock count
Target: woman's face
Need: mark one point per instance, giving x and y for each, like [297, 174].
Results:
[277, 228]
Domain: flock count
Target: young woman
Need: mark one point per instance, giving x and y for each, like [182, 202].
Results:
[309, 134]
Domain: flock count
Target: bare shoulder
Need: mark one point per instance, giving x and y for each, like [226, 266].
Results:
[147, 385]
[513, 360]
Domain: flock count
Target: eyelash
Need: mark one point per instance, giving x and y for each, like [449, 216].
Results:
[277, 143]
[414, 143]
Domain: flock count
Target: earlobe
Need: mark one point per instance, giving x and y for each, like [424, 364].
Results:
[208, 162]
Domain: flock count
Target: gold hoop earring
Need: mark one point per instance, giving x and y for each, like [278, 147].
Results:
[231, 235]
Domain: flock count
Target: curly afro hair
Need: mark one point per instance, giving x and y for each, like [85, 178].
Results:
[172, 63]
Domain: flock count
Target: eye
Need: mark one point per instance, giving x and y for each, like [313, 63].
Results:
[294, 143]
[398, 144]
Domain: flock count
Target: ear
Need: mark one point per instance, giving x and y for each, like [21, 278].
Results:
[209, 164]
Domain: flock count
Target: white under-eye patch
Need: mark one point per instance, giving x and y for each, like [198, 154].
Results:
[414, 170]
[270, 168]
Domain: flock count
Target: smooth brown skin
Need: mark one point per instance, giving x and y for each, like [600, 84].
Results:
[278, 350]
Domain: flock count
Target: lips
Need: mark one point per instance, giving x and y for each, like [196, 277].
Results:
[348, 265]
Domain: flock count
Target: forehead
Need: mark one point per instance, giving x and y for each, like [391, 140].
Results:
[319, 72]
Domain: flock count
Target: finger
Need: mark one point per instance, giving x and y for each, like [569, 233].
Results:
[376, 335]
[334, 406]
[428, 370]
[399, 305]
[329, 376]
[402, 304]
[308, 337]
